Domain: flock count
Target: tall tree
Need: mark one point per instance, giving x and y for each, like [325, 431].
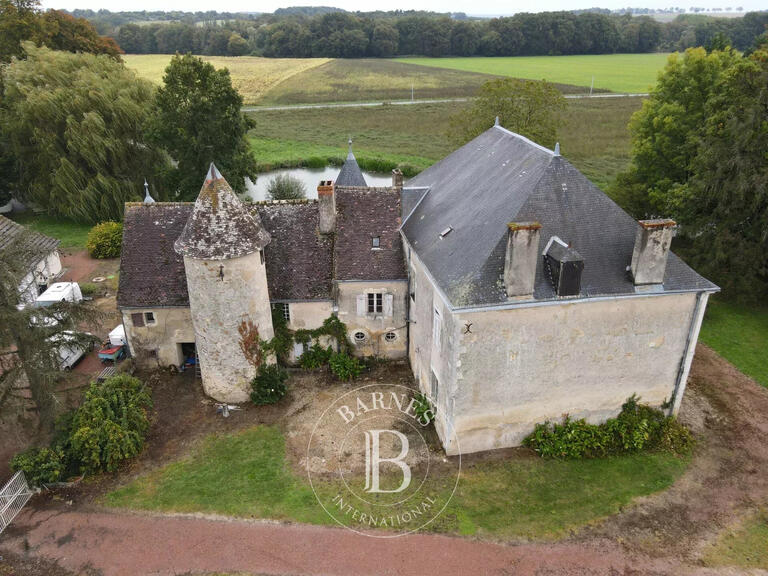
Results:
[197, 119]
[667, 131]
[74, 124]
[18, 22]
[725, 208]
[531, 108]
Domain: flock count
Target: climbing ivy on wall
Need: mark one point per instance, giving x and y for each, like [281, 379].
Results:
[284, 337]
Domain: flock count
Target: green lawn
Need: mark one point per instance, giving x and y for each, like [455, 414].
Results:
[246, 475]
[615, 72]
[595, 135]
[71, 234]
[740, 335]
[746, 546]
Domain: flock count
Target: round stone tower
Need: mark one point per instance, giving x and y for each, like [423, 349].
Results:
[222, 244]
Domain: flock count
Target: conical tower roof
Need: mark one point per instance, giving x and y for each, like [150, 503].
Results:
[220, 227]
[350, 174]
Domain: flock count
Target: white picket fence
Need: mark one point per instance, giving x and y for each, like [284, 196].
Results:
[13, 496]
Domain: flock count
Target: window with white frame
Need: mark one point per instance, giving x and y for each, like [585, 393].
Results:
[149, 318]
[375, 302]
[286, 311]
[376, 242]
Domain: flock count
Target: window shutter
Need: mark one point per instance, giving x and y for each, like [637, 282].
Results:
[137, 319]
[389, 300]
[361, 305]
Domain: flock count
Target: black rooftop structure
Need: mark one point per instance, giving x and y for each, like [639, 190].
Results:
[501, 177]
[350, 174]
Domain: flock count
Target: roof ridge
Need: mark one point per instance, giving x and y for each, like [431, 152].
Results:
[524, 139]
[288, 201]
[156, 204]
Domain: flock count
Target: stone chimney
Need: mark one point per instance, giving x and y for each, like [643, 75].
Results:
[649, 258]
[521, 259]
[397, 178]
[326, 199]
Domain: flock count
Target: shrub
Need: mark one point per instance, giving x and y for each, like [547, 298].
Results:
[269, 385]
[286, 187]
[111, 424]
[344, 366]
[104, 240]
[423, 408]
[40, 465]
[316, 357]
[637, 427]
[90, 289]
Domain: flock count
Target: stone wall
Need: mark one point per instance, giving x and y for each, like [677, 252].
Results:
[223, 294]
[497, 373]
[375, 326]
[159, 344]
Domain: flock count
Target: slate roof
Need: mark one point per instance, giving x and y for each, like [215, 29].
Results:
[220, 226]
[151, 271]
[362, 214]
[350, 174]
[37, 245]
[501, 177]
[299, 259]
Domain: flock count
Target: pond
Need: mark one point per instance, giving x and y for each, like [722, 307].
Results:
[311, 178]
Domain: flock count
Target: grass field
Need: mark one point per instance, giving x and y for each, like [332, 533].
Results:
[71, 234]
[595, 136]
[615, 72]
[252, 76]
[370, 80]
[740, 335]
[745, 546]
[246, 475]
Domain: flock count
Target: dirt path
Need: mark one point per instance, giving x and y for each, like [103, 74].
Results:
[128, 545]
[661, 534]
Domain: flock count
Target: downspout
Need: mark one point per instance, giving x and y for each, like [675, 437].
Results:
[685, 361]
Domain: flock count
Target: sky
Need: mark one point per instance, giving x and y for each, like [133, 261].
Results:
[475, 7]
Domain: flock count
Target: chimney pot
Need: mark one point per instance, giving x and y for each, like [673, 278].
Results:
[649, 257]
[326, 199]
[521, 258]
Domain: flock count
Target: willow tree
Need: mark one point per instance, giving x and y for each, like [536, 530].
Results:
[74, 124]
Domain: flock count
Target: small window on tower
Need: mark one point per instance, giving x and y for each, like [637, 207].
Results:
[287, 311]
[376, 242]
[149, 317]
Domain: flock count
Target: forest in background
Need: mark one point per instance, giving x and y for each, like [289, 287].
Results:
[326, 32]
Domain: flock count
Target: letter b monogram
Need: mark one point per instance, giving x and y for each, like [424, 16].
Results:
[373, 461]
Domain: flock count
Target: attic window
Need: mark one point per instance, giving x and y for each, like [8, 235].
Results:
[376, 242]
[445, 232]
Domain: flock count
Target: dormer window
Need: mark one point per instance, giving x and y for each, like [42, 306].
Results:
[376, 242]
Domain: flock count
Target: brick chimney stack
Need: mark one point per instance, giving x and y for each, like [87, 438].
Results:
[521, 258]
[326, 199]
[649, 258]
[397, 178]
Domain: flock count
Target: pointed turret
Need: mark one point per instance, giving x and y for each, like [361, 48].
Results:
[350, 174]
[220, 226]
[224, 263]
